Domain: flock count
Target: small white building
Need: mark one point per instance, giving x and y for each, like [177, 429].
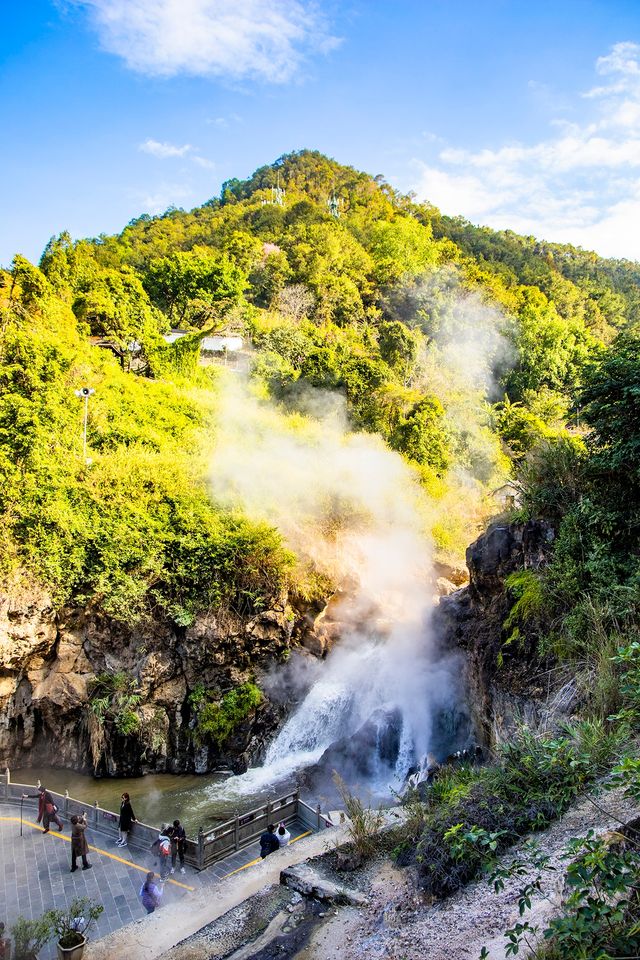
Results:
[217, 343]
[222, 343]
[174, 335]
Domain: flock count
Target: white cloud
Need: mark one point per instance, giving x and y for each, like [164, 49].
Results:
[163, 150]
[165, 195]
[581, 185]
[225, 122]
[204, 163]
[246, 38]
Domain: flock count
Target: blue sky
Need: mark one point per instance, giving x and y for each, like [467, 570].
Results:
[511, 113]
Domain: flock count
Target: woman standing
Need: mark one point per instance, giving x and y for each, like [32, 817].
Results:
[79, 845]
[127, 818]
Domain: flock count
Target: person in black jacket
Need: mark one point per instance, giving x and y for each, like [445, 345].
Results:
[178, 845]
[268, 841]
[127, 818]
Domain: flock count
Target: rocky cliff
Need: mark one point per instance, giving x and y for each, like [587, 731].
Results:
[503, 682]
[49, 657]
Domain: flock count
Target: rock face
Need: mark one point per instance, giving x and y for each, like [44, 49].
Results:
[49, 657]
[472, 618]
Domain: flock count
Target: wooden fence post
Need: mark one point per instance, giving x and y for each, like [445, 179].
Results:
[95, 813]
[236, 831]
[66, 803]
[200, 848]
[7, 783]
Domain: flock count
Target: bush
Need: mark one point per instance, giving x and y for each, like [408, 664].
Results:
[29, 936]
[71, 924]
[217, 721]
[468, 812]
[364, 823]
[115, 697]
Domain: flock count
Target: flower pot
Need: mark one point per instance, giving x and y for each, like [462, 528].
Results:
[74, 952]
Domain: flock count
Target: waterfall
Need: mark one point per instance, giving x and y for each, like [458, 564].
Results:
[352, 510]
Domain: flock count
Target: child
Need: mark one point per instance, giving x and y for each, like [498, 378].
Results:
[162, 847]
[283, 834]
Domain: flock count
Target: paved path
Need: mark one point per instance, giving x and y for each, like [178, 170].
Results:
[35, 874]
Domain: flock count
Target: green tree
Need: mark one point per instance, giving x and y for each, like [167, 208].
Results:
[398, 347]
[421, 435]
[191, 286]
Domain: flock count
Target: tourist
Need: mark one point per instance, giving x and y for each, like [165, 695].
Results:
[79, 845]
[47, 810]
[268, 842]
[5, 945]
[127, 819]
[150, 893]
[283, 834]
[178, 845]
[162, 846]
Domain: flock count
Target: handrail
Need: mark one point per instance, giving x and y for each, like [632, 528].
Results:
[208, 846]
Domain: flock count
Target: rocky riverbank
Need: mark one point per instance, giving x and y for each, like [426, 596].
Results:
[49, 658]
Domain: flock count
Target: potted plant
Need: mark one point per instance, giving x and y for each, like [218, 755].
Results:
[29, 936]
[71, 925]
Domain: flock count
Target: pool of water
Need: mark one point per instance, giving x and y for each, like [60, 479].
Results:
[156, 798]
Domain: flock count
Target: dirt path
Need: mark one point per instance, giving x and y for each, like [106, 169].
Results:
[397, 925]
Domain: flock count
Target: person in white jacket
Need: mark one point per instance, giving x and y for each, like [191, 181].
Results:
[283, 834]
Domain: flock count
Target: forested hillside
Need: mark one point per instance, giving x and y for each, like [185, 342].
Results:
[462, 347]
[488, 361]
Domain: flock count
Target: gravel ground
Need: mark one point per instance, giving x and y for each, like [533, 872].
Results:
[398, 925]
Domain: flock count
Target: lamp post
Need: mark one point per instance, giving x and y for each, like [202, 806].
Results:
[84, 393]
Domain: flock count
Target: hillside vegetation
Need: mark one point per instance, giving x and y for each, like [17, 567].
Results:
[479, 356]
[462, 347]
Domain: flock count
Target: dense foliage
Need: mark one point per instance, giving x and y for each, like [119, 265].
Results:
[468, 350]
[577, 617]
[444, 338]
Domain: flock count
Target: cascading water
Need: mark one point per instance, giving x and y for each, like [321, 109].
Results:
[351, 509]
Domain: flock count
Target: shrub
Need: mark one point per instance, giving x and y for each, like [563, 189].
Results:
[364, 823]
[29, 936]
[115, 697]
[72, 923]
[469, 811]
[216, 721]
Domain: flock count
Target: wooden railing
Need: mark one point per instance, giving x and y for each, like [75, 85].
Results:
[201, 851]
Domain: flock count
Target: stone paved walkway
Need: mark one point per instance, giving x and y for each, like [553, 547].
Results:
[35, 874]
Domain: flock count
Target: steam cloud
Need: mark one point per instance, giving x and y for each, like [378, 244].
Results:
[352, 509]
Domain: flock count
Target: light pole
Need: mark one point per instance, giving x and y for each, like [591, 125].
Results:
[84, 393]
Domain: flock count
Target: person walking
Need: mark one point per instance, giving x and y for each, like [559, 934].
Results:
[150, 893]
[268, 842]
[126, 821]
[162, 846]
[47, 810]
[283, 834]
[79, 845]
[178, 845]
